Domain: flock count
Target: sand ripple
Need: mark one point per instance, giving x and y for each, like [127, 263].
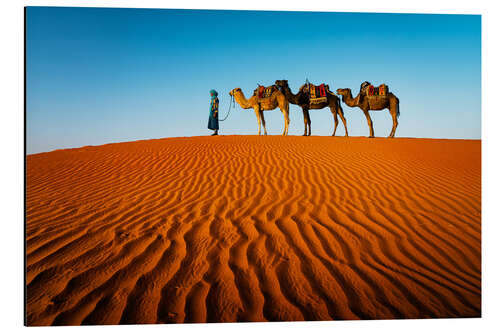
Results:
[247, 228]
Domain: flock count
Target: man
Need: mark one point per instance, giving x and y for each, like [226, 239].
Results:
[213, 119]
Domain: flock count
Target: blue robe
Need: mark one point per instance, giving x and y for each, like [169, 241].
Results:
[213, 122]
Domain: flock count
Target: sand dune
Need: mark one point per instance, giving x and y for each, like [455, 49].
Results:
[247, 228]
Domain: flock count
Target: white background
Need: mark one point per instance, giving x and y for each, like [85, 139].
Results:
[12, 162]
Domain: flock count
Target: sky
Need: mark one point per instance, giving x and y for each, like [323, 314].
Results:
[102, 75]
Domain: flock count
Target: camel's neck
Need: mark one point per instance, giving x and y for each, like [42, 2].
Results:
[241, 100]
[291, 97]
[347, 99]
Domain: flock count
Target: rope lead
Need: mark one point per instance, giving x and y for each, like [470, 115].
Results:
[229, 110]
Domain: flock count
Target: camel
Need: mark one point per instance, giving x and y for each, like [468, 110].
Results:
[277, 99]
[302, 99]
[375, 103]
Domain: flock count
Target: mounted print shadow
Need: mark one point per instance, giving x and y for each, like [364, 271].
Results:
[139, 212]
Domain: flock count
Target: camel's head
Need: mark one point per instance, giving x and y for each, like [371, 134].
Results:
[281, 83]
[342, 91]
[231, 93]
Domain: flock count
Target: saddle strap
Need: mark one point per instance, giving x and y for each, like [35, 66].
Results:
[318, 100]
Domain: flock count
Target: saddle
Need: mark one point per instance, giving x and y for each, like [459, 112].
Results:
[370, 90]
[265, 92]
[317, 94]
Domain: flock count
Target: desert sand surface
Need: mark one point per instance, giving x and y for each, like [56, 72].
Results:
[248, 228]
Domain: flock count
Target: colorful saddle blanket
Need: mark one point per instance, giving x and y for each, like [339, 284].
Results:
[317, 94]
[381, 90]
[265, 92]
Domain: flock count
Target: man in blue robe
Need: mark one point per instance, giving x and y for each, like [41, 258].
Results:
[213, 119]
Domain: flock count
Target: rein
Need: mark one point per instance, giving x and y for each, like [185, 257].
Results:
[229, 110]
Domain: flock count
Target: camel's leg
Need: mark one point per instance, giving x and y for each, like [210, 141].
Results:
[370, 123]
[257, 114]
[263, 121]
[394, 113]
[287, 122]
[335, 119]
[304, 113]
[284, 110]
[341, 114]
[308, 123]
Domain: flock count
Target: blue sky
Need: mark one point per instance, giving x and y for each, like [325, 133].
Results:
[99, 75]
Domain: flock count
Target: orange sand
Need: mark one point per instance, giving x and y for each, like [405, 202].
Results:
[247, 228]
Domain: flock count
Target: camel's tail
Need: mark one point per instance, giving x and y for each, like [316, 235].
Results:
[397, 105]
